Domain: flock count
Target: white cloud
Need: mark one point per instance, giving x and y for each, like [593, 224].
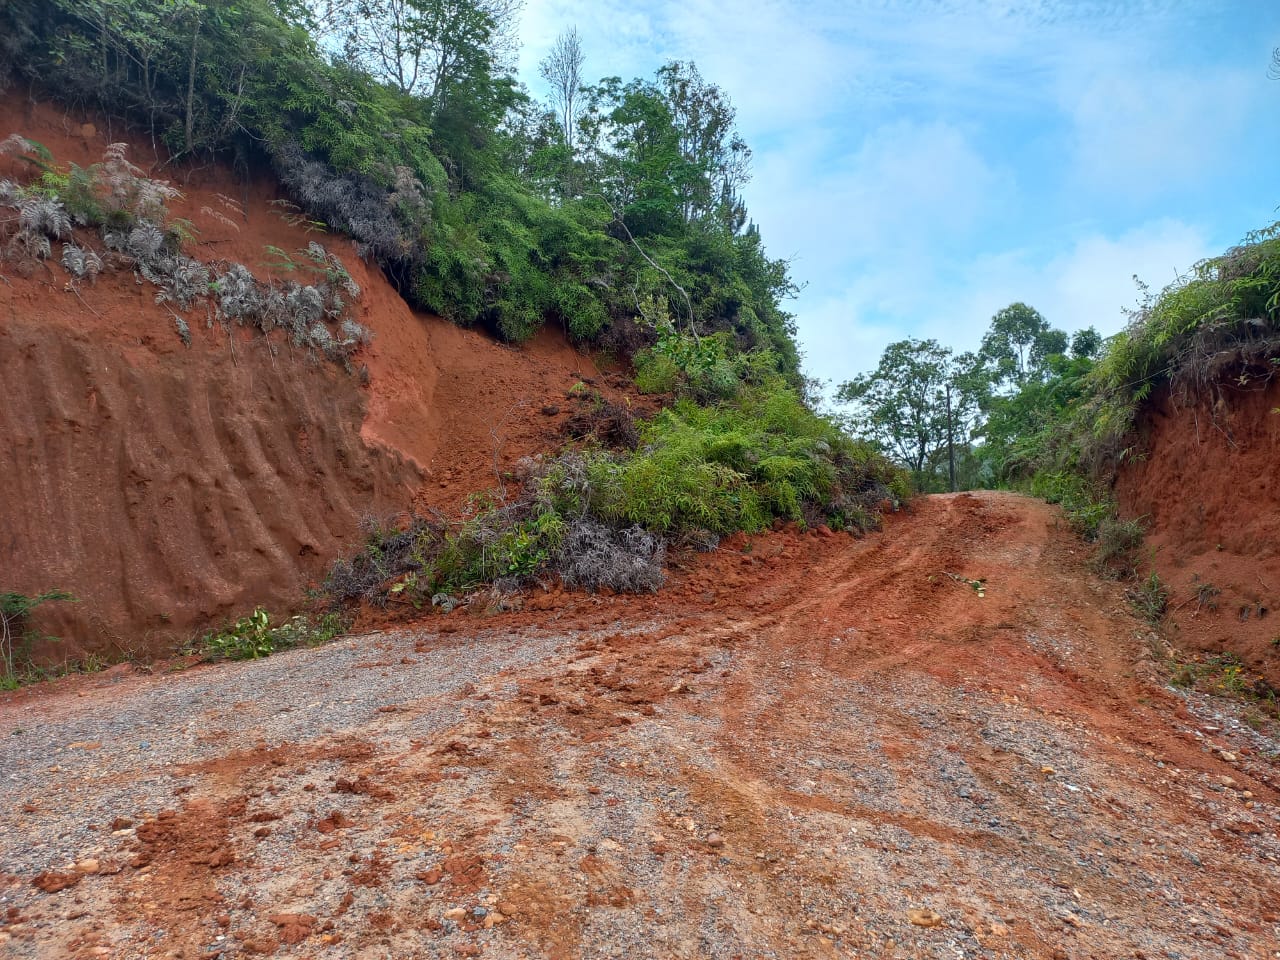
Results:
[906, 188]
[1146, 133]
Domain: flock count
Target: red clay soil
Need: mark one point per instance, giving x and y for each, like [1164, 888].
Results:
[169, 488]
[1209, 485]
[808, 746]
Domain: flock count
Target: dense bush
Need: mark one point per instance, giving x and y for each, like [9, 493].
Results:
[600, 517]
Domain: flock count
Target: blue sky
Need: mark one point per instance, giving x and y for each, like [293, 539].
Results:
[926, 162]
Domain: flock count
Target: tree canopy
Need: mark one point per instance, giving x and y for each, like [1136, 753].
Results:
[400, 123]
[918, 405]
[973, 419]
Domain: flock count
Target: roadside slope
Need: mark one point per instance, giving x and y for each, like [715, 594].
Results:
[170, 487]
[807, 747]
[1209, 490]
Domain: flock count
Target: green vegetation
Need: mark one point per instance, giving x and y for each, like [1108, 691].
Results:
[1056, 415]
[1225, 674]
[613, 210]
[253, 637]
[1149, 598]
[1211, 334]
[601, 517]
[972, 419]
[401, 125]
[920, 404]
[17, 635]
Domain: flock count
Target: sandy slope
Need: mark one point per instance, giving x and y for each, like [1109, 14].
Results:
[806, 747]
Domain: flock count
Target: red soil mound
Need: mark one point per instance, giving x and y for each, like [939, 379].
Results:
[1210, 489]
[168, 488]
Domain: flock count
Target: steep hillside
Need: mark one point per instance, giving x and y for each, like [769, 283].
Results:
[168, 486]
[1209, 488]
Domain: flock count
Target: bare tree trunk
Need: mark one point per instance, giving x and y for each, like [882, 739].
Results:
[191, 86]
[951, 442]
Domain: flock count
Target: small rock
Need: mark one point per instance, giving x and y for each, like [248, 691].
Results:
[1047, 771]
[550, 410]
[88, 866]
[456, 913]
[1229, 757]
[1226, 781]
[924, 917]
[715, 841]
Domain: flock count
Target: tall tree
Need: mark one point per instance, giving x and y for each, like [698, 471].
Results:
[1018, 343]
[668, 151]
[709, 141]
[428, 48]
[919, 405]
[1086, 344]
[562, 69]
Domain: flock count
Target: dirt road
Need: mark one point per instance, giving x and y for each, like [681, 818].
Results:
[806, 747]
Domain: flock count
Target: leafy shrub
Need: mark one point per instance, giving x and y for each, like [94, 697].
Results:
[248, 638]
[707, 369]
[601, 518]
[656, 373]
[1084, 505]
[253, 637]
[740, 465]
[15, 630]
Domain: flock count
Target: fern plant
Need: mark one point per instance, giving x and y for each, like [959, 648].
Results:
[80, 262]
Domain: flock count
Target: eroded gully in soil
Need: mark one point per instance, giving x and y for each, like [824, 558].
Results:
[804, 747]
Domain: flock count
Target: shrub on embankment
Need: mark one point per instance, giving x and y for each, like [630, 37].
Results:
[600, 517]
